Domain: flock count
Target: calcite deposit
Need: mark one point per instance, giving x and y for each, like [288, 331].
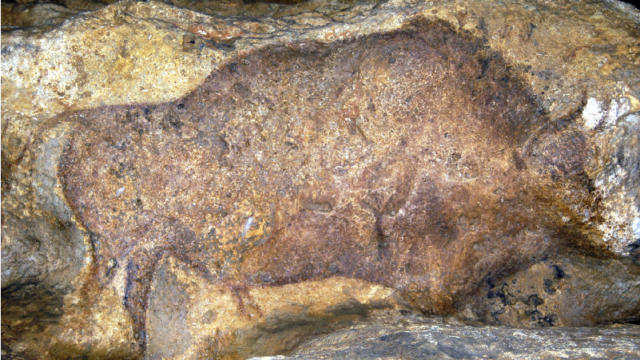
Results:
[228, 179]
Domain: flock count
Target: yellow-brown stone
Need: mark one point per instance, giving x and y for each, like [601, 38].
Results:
[255, 180]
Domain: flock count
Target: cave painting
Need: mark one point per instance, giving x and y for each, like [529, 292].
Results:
[413, 159]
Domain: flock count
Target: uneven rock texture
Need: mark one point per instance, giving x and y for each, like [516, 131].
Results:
[567, 291]
[257, 173]
[346, 166]
[191, 317]
[402, 339]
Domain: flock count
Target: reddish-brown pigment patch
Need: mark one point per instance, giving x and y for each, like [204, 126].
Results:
[402, 159]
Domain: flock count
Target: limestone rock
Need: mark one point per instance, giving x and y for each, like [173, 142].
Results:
[254, 174]
[17, 15]
[551, 293]
[191, 317]
[434, 340]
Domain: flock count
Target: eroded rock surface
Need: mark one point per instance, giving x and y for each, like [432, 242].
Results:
[553, 291]
[393, 338]
[403, 159]
[255, 181]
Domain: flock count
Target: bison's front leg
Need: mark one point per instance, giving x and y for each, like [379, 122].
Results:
[140, 269]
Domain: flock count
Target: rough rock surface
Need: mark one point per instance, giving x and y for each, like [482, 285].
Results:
[553, 292]
[307, 161]
[254, 174]
[406, 339]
